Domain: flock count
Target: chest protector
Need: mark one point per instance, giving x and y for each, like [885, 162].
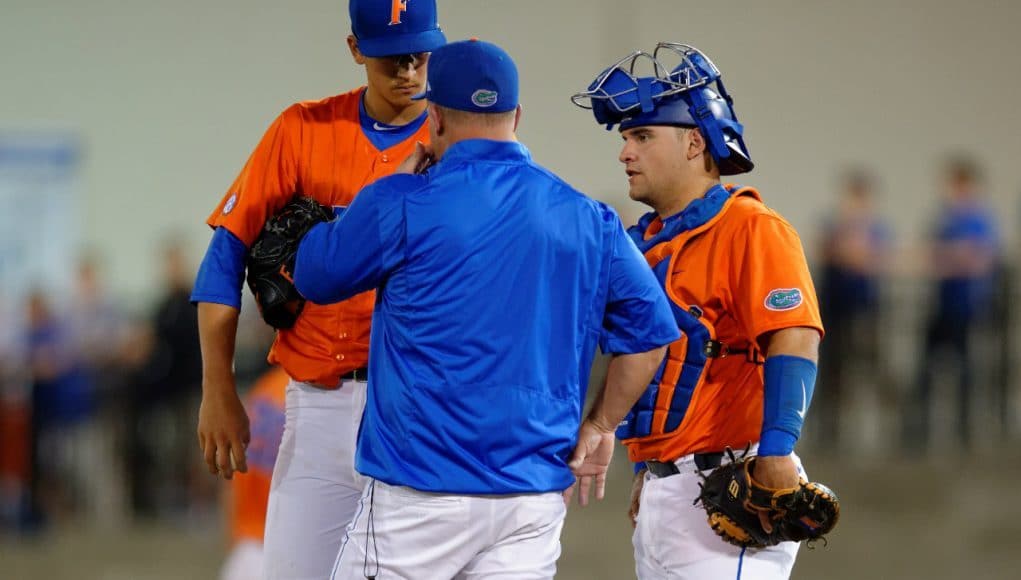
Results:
[662, 407]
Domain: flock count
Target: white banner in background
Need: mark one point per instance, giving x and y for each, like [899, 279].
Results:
[40, 217]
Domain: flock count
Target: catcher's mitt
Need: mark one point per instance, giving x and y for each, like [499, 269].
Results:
[271, 260]
[733, 500]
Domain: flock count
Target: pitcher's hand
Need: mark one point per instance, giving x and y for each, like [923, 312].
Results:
[223, 433]
[419, 160]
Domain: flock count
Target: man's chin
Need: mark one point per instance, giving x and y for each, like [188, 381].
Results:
[403, 95]
[639, 195]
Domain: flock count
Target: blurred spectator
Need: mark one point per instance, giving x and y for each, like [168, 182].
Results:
[15, 422]
[98, 333]
[855, 246]
[96, 324]
[162, 467]
[248, 493]
[61, 403]
[964, 255]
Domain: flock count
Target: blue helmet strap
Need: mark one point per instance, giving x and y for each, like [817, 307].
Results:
[708, 124]
[738, 128]
[645, 94]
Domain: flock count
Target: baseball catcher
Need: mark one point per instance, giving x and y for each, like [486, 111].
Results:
[271, 260]
[736, 503]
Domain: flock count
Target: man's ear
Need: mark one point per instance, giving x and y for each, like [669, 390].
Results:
[517, 118]
[352, 45]
[696, 144]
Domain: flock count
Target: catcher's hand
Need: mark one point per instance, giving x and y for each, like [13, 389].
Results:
[271, 260]
[734, 500]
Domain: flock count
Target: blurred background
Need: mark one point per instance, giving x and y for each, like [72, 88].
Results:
[881, 130]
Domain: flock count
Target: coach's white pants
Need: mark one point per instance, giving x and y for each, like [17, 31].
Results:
[673, 540]
[315, 487]
[400, 533]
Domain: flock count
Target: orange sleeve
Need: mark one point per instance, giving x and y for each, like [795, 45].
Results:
[266, 183]
[770, 284]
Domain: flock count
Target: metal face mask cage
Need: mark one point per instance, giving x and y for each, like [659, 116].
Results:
[619, 93]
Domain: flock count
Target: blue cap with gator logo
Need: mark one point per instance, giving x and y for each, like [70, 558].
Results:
[474, 76]
[394, 27]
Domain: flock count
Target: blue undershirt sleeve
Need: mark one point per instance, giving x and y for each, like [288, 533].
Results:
[222, 271]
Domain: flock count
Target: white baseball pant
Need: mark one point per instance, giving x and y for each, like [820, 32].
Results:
[401, 533]
[315, 487]
[672, 538]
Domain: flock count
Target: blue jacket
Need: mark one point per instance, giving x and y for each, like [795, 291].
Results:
[496, 281]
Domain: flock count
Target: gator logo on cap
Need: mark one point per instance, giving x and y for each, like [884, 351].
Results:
[484, 98]
[783, 299]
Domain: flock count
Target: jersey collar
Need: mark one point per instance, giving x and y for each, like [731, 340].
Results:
[694, 215]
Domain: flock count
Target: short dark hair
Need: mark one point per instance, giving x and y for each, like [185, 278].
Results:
[858, 179]
[481, 119]
[960, 167]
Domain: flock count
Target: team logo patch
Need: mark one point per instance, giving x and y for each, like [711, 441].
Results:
[783, 299]
[231, 202]
[483, 98]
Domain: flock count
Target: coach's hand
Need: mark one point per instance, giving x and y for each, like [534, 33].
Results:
[223, 432]
[636, 497]
[590, 461]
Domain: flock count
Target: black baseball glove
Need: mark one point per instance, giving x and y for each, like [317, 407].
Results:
[733, 500]
[271, 260]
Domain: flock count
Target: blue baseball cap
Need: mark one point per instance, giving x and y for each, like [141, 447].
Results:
[474, 76]
[393, 27]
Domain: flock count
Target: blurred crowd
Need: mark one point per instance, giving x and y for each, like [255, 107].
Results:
[919, 344]
[98, 404]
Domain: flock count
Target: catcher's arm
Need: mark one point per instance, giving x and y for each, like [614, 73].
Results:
[792, 354]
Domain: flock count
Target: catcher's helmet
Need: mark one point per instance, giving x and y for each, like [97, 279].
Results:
[683, 96]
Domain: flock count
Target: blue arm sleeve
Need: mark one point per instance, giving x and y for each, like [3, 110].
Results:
[357, 251]
[790, 382]
[638, 316]
[222, 271]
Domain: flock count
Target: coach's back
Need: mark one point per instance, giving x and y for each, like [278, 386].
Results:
[488, 329]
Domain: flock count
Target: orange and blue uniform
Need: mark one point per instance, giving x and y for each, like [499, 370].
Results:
[733, 271]
[318, 149]
[327, 150]
[250, 491]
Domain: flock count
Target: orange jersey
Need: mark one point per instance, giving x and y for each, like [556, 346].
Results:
[730, 280]
[250, 491]
[317, 149]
